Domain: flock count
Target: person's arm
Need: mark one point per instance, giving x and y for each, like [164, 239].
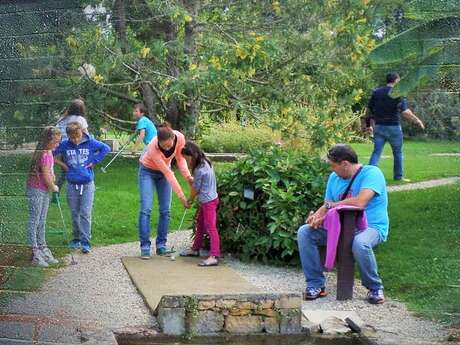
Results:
[59, 152]
[139, 140]
[182, 165]
[101, 151]
[171, 178]
[408, 114]
[48, 178]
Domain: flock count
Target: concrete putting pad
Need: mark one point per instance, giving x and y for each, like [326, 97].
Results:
[162, 276]
[318, 316]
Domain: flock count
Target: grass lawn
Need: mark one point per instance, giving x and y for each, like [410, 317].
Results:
[420, 262]
[419, 165]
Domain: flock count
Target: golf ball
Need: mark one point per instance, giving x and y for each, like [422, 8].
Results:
[173, 258]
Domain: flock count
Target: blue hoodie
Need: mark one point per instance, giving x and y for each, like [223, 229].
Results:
[78, 157]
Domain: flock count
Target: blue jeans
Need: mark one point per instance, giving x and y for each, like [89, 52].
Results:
[308, 240]
[149, 181]
[80, 200]
[394, 135]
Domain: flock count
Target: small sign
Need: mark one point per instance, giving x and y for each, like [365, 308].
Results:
[248, 193]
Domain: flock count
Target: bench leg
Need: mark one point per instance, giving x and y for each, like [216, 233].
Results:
[345, 261]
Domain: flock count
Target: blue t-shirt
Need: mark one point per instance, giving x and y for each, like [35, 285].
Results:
[386, 109]
[370, 177]
[150, 131]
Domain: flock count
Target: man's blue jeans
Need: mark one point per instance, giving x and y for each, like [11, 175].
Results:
[394, 135]
[149, 181]
[309, 239]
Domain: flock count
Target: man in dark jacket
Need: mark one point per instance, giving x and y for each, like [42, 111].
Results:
[384, 121]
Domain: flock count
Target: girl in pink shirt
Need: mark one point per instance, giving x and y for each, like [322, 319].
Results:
[39, 183]
[155, 174]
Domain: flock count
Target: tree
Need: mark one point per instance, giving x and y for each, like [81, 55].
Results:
[429, 50]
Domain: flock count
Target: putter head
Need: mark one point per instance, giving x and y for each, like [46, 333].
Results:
[103, 170]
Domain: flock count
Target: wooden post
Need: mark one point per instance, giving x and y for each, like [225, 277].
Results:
[345, 261]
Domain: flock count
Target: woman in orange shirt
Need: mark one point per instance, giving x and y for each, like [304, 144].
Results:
[155, 173]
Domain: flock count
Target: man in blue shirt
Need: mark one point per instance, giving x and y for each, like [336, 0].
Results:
[383, 119]
[368, 191]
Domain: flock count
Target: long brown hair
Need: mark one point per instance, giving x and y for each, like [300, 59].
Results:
[77, 107]
[193, 150]
[47, 136]
[165, 132]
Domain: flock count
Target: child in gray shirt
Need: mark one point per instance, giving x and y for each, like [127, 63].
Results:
[204, 186]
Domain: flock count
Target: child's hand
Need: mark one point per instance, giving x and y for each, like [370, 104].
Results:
[54, 188]
[90, 166]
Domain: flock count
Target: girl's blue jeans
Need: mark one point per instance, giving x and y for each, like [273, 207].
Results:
[149, 182]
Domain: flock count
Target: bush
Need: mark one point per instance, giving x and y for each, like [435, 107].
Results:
[286, 185]
[232, 137]
[440, 112]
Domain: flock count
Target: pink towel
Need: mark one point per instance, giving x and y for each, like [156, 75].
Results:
[333, 227]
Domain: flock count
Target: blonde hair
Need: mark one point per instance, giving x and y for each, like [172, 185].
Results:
[48, 134]
[73, 129]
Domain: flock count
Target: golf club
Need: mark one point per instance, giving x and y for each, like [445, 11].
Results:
[172, 256]
[58, 202]
[131, 138]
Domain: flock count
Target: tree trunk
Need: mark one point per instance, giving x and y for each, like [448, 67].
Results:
[119, 23]
[149, 100]
[189, 119]
[173, 104]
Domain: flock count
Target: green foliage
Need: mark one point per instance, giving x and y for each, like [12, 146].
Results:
[426, 50]
[440, 112]
[232, 137]
[286, 184]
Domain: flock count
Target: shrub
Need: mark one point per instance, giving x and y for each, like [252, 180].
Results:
[286, 185]
[440, 112]
[232, 137]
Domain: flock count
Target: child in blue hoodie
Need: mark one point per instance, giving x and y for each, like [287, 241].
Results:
[80, 154]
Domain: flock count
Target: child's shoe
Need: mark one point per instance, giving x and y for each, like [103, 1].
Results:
[48, 256]
[85, 248]
[38, 259]
[74, 244]
[145, 254]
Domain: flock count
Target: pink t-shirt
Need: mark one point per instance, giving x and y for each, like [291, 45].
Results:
[37, 181]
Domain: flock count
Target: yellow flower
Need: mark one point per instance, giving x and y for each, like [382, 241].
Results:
[98, 79]
[193, 67]
[188, 18]
[144, 52]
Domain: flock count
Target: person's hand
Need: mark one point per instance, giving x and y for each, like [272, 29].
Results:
[65, 167]
[185, 202]
[420, 124]
[90, 166]
[310, 217]
[370, 130]
[54, 188]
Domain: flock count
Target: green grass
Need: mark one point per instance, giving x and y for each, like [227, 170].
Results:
[418, 164]
[420, 262]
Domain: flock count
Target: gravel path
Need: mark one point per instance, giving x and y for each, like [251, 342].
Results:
[424, 184]
[98, 288]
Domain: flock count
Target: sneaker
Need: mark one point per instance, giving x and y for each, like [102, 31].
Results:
[164, 251]
[314, 293]
[375, 296]
[48, 256]
[405, 180]
[190, 252]
[145, 254]
[74, 244]
[39, 260]
[85, 248]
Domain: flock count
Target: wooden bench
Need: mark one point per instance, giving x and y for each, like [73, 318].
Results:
[345, 263]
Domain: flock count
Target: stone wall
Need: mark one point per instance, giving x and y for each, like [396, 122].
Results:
[232, 314]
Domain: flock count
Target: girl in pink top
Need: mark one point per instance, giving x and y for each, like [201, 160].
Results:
[39, 182]
[155, 174]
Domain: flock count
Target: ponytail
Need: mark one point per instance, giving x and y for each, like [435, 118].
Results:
[165, 131]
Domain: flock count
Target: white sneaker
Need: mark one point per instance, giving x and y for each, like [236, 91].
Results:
[39, 260]
[48, 256]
